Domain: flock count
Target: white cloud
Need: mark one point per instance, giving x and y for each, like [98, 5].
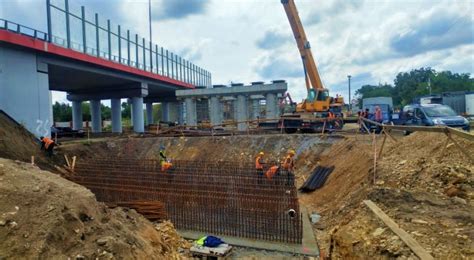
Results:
[347, 37]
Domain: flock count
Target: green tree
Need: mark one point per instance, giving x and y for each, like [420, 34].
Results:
[86, 111]
[368, 91]
[62, 112]
[126, 110]
[418, 82]
[156, 112]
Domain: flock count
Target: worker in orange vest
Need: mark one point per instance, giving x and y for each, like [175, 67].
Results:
[259, 163]
[289, 165]
[378, 114]
[48, 145]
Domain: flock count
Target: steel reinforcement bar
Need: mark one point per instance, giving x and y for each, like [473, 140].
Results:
[215, 197]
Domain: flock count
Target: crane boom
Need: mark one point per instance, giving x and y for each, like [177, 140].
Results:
[311, 71]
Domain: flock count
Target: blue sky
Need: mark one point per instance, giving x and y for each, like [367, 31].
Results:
[251, 40]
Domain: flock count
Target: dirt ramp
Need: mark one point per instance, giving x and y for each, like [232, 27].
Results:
[45, 216]
[17, 143]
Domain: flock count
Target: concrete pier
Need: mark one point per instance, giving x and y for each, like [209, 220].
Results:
[76, 115]
[255, 108]
[116, 115]
[215, 111]
[96, 116]
[271, 106]
[232, 102]
[241, 112]
[165, 111]
[137, 111]
[191, 115]
[149, 113]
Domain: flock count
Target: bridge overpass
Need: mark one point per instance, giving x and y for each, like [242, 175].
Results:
[108, 63]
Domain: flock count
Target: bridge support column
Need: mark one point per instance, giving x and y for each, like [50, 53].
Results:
[180, 113]
[173, 111]
[215, 111]
[137, 112]
[241, 112]
[271, 106]
[76, 115]
[116, 115]
[165, 111]
[191, 115]
[96, 116]
[255, 108]
[149, 113]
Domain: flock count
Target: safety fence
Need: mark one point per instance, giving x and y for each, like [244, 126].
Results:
[223, 198]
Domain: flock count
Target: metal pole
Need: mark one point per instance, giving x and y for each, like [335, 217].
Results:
[119, 45]
[48, 16]
[162, 62]
[172, 65]
[97, 34]
[109, 39]
[136, 50]
[84, 40]
[144, 55]
[151, 39]
[349, 81]
[68, 30]
[167, 65]
[157, 59]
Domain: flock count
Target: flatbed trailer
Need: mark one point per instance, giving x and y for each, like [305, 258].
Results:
[297, 122]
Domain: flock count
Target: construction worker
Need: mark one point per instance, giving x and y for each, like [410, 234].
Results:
[288, 165]
[378, 114]
[259, 163]
[48, 145]
[165, 165]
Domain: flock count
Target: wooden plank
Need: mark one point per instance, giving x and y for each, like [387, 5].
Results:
[67, 161]
[410, 241]
[460, 133]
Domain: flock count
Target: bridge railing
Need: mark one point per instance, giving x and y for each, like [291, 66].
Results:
[21, 29]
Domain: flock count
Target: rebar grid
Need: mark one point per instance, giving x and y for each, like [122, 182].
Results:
[223, 198]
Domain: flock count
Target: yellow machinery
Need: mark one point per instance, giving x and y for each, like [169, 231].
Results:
[318, 99]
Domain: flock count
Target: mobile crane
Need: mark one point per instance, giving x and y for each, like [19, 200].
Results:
[318, 109]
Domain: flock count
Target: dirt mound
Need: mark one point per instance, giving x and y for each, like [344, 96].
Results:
[17, 143]
[45, 216]
[227, 148]
[428, 195]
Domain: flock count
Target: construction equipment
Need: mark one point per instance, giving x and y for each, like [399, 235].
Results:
[318, 109]
[318, 99]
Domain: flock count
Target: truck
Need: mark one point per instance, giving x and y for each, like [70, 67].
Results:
[460, 101]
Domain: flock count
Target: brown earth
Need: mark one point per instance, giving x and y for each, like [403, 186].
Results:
[45, 216]
[429, 196]
[17, 143]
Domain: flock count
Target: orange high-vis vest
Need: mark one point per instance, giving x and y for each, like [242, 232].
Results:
[258, 165]
[288, 163]
[47, 142]
[271, 172]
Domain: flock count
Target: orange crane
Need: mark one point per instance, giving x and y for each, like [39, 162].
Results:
[318, 99]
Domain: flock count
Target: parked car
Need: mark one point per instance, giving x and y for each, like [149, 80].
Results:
[66, 132]
[431, 115]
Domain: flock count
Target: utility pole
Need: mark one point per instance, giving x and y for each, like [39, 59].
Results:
[350, 102]
[149, 17]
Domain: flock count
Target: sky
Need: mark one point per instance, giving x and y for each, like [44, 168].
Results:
[251, 40]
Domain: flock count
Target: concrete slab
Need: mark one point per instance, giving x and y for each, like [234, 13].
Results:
[308, 247]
